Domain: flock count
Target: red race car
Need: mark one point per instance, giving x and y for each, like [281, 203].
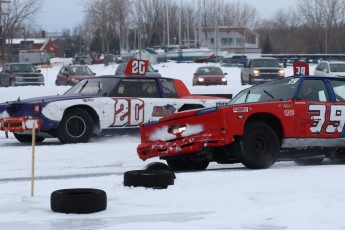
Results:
[298, 118]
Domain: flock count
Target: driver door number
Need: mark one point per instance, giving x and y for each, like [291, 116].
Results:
[128, 112]
[331, 122]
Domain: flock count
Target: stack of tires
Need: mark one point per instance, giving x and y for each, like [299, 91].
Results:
[155, 175]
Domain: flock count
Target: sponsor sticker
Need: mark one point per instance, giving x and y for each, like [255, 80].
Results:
[161, 111]
[240, 110]
[289, 112]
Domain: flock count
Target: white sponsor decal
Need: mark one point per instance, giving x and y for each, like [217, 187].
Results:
[289, 112]
[240, 110]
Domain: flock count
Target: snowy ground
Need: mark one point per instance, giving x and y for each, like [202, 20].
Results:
[284, 197]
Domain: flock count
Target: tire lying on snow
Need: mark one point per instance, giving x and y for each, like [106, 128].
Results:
[78, 200]
[148, 178]
[160, 166]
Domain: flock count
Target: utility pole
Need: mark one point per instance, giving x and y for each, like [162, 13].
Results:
[2, 38]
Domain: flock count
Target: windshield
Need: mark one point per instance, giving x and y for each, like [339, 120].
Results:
[339, 67]
[97, 86]
[210, 71]
[265, 63]
[271, 91]
[22, 68]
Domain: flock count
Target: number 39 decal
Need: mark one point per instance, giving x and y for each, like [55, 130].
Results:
[335, 121]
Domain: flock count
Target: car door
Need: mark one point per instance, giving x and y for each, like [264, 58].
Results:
[312, 108]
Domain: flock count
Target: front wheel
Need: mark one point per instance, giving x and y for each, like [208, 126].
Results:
[26, 138]
[260, 146]
[76, 126]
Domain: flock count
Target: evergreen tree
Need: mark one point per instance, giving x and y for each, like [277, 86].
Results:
[267, 46]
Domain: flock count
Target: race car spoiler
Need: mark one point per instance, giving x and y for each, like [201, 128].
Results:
[19, 124]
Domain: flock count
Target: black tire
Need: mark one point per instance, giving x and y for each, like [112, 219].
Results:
[160, 166]
[78, 200]
[250, 80]
[309, 161]
[242, 82]
[159, 179]
[260, 146]
[76, 126]
[187, 165]
[27, 138]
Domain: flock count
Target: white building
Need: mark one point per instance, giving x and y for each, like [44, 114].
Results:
[232, 40]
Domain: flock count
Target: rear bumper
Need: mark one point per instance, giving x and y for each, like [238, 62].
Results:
[19, 124]
[187, 145]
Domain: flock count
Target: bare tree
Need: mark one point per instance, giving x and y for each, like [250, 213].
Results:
[13, 17]
[322, 15]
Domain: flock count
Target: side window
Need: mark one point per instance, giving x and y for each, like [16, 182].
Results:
[169, 90]
[339, 89]
[145, 88]
[313, 90]
[318, 67]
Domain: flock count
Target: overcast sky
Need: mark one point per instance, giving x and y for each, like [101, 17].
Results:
[55, 15]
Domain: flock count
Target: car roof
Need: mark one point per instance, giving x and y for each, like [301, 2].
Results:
[133, 76]
[335, 61]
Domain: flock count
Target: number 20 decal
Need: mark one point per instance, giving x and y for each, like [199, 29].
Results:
[128, 112]
[335, 122]
[139, 67]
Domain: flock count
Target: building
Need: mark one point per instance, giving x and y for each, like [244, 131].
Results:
[50, 45]
[232, 40]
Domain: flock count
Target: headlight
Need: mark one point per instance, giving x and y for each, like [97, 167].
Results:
[224, 79]
[74, 80]
[200, 79]
[281, 73]
[36, 108]
[177, 129]
[256, 73]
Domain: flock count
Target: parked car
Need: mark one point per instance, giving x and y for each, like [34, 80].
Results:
[259, 70]
[99, 106]
[330, 68]
[209, 75]
[20, 74]
[298, 118]
[73, 74]
[120, 70]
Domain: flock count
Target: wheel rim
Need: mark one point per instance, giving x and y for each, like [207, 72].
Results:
[260, 144]
[75, 127]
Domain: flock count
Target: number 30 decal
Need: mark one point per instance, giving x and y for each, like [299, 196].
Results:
[336, 120]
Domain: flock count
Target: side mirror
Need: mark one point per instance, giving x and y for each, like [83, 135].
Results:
[325, 70]
[38, 70]
[156, 70]
[225, 73]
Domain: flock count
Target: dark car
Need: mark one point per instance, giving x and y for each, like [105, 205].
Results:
[73, 74]
[151, 72]
[19, 74]
[209, 75]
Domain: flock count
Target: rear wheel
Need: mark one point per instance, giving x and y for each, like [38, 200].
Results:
[186, 164]
[250, 80]
[309, 161]
[260, 146]
[26, 138]
[76, 126]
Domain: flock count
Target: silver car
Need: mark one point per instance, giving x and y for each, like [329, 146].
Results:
[330, 69]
